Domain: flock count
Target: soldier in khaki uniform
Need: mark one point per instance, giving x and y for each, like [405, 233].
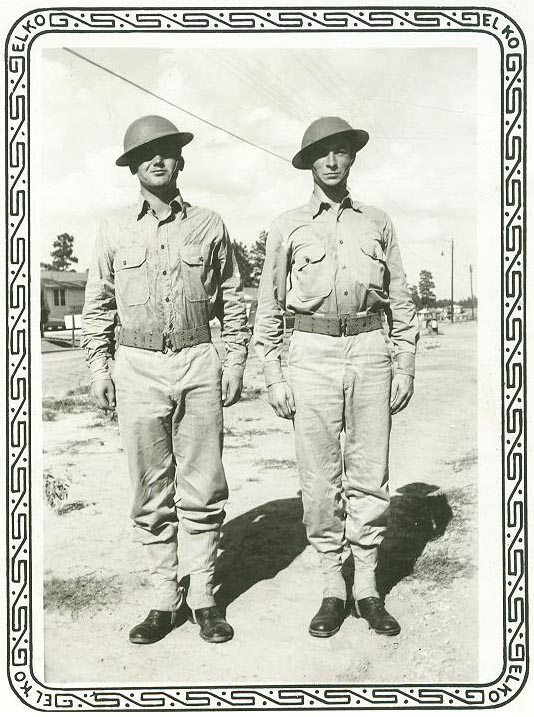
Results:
[335, 263]
[162, 269]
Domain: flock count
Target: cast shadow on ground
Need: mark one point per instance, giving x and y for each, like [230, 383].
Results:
[260, 543]
[257, 546]
[416, 515]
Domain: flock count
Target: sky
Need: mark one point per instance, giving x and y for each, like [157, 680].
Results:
[419, 106]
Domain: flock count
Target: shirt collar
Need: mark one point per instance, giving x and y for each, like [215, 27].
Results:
[177, 205]
[319, 202]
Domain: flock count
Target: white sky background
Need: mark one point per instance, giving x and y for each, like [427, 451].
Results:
[418, 105]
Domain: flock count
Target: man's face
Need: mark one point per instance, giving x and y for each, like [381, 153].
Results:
[157, 163]
[334, 158]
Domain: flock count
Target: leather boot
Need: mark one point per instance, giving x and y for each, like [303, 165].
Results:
[213, 626]
[329, 618]
[372, 609]
[154, 627]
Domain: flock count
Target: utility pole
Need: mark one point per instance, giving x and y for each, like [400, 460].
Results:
[472, 297]
[452, 281]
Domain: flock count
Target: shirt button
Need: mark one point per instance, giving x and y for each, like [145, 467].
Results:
[341, 241]
[168, 299]
[346, 293]
[164, 272]
[163, 246]
[124, 262]
[344, 266]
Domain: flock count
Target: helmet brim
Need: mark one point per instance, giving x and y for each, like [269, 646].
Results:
[305, 158]
[182, 139]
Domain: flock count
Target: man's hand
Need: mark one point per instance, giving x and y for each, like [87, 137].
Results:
[231, 389]
[281, 399]
[103, 392]
[401, 392]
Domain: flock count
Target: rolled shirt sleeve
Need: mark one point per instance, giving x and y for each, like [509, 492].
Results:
[231, 309]
[100, 309]
[402, 317]
[269, 323]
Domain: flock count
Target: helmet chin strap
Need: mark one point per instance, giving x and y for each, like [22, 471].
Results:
[177, 167]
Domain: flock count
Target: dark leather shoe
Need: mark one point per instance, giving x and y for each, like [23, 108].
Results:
[329, 618]
[372, 609]
[154, 627]
[213, 626]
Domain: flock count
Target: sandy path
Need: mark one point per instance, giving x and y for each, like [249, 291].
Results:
[268, 574]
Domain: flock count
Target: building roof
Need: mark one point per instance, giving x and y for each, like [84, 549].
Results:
[63, 279]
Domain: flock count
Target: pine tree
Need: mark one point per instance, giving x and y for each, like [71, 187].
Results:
[414, 292]
[242, 256]
[257, 257]
[426, 284]
[63, 253]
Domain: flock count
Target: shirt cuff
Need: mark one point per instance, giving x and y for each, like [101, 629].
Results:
[234, 370]
[272, 370]
[405, 363]
[100, 375]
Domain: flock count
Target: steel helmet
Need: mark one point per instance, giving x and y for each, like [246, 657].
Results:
[145, 130]
[320, 130]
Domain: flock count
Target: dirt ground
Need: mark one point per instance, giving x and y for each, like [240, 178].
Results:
[96, 581]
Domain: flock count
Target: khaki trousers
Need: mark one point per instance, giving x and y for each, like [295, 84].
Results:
[171, 425]
[342, 385]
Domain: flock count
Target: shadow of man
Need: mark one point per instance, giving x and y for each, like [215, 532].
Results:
[415, 516]
[257, 545]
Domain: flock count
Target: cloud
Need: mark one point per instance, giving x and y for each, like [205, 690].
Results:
[418, 105]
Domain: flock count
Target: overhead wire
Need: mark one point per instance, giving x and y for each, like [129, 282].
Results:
[239, 70]
[176, 106]
[245, 74]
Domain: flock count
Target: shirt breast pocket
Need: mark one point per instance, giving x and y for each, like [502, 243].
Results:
[310, 271]
[131, 276]
[194, 273]
[374, 263]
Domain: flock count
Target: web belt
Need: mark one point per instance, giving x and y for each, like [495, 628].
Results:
[157, 341]
[332, 325]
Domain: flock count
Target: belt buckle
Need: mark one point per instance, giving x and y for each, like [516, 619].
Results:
[343, 324]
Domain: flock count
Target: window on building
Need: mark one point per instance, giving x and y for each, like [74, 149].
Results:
[59, 297]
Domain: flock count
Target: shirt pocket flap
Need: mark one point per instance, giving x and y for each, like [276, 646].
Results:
[309, 254]
[130, 258]
[372, 248]
[192, 256]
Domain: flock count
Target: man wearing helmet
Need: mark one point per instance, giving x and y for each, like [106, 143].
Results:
[161, 270]
[335, 264]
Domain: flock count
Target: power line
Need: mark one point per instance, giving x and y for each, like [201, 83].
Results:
[246, 75]
[173, 104]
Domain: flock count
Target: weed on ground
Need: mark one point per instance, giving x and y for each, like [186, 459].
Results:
[266, 464]
[56, 489]
[80, 593]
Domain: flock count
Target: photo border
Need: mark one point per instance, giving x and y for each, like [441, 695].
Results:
[511, 41]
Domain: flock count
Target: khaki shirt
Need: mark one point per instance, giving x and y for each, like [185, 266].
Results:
[323, 258]
[163, 276]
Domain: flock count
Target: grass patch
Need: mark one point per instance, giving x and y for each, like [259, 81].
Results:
[275, 463]
[250, 394]
[460, 464]
[74, 403]
[71, 507]
[76, 594]
[81, 390]
[451, 556]
[440, 566]
[56, 489]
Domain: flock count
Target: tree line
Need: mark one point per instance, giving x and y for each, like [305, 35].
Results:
[250, 262]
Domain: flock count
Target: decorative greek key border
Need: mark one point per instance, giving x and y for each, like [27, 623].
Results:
[19, 41]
